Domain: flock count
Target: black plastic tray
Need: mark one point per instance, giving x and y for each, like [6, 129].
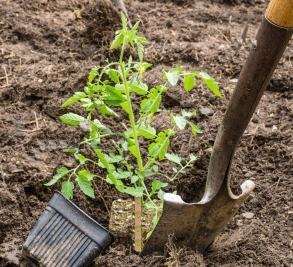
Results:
[64, 236]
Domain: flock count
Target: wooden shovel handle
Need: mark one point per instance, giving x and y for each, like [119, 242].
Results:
[280, 13]
[270, 43]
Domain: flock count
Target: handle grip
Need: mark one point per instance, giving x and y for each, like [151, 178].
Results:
[280, 13]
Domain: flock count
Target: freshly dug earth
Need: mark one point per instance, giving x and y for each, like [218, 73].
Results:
[46, 51]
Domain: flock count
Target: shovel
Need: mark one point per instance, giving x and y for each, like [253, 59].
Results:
[196, 225]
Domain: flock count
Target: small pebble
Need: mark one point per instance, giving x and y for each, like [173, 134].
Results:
[247, 215]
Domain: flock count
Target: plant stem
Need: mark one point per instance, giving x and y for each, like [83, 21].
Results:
[137, 200]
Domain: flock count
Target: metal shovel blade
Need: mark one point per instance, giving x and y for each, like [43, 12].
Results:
[197, 224]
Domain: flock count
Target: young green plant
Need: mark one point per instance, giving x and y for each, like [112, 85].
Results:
[113, 85]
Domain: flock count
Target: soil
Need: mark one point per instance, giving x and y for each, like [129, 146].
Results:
[47, 48]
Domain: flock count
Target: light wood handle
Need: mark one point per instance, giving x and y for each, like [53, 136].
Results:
[280, 13]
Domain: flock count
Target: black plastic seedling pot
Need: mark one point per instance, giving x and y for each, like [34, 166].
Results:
[64, 236]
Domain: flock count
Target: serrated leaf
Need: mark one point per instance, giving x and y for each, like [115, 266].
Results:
[101, 127]
[122, 174]
[161, 194]
[133, 151]
[138, 87]
[125, 106]
[119, 186]
[72, 119]
[172, 76]
[160, 147]
[211, 83]
[189, 81]
[156, 168]
[117, 41]
[174, 158]
[134, 179]
[60, 173]
[153, 149]
[86, 174]
[146, 131]
[179, 121]
[88, 104]
[82, 159]
[114, 94]
[153, 102]
[156, 185]
[188, 114]
[113, 76]
[135, 192]
[112, 158]
[85, 186]
[124, 21]
[67, 189]
[107, 111]
[92, 75]
[76, 97]
[194, 128]
[192, 157]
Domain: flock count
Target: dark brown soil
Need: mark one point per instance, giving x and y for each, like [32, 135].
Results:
[47, 48]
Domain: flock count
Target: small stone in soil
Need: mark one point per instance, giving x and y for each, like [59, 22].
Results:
[247, 215]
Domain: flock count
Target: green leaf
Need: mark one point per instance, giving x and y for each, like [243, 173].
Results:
[192, 157]
[114, 94]
[76, 97]
[92, 75]
[174, 170]
[140, 51]
[156, 185]
[211, 83]
[153, 149]
[161, 194]
[133, 150]
[86, 174]
[72, 119]
[70, 150]
[179, 121]
[152, 103]
[122, 174]
[194, 128]
[188, 114]
[101, 127]
[134, 179]
[124, 21]
[138, 87]
[88, 104]
[156, 168]
[160, 147]
[125, 106]
[112, 158]
[155, 220]
[85, 186]
[67, 189]
[60, 173]
[174, 158]
[135, 192]
[146, 131]
[172, 76]
[189, 81]
[113, 75]
[82, 159]
[117, 41]
[107, 111]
